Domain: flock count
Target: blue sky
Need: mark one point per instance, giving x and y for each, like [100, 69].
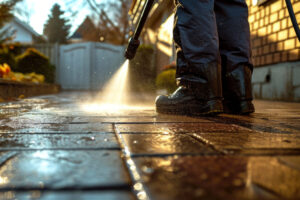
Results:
[40, 9]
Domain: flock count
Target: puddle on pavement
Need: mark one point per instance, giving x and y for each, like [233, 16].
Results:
[58, 141]
[212, 177]
[63, 169]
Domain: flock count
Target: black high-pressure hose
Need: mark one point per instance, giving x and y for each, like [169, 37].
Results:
[293, 18]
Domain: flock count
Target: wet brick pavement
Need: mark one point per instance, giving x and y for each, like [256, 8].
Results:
[52, 148]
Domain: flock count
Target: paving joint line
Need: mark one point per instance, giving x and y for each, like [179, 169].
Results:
[163, 155]
[267, 190]
[172, 122]
[58, 133]
[138, 187]
[61, 149]
[70, 188]
[244, 124]
[6, 157]
[207, 143]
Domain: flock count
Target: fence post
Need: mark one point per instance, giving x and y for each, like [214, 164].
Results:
[56, 54]
[92, 64]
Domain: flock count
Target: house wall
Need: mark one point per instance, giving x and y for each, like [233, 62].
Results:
[164, 45]
[277, 82]
[276, 51]
[160, 34]
[272, 34]
[22, 35]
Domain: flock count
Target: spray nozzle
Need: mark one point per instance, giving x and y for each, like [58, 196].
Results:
[132, 48]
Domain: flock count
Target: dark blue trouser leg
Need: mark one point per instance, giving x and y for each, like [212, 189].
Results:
[235, 50]
[197, 48]
[204, 30]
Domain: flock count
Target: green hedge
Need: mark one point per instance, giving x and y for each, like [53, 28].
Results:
[142, 71]
[166, 80]
[34, 61]
[7, 56]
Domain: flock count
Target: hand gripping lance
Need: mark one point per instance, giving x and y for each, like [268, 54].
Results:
[134, 40]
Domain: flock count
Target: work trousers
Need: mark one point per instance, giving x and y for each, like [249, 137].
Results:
[212, 41]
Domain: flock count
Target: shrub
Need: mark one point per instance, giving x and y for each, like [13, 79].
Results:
[34, 61]
[166, 80]
[6, 56]
[142, 71]
[15, 48]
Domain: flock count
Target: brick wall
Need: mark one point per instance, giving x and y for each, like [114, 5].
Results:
[273, 38]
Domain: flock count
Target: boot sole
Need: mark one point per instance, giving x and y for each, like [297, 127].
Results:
[245, 109]
[213, 107]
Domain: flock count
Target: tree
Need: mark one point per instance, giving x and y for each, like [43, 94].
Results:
[6, 8]
[110, 16]
[24, 10]
[113, 20]
[56, 27]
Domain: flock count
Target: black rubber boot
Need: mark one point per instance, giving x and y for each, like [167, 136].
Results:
[237, 91]
[238, 107]
[184, 102]
[198, 70]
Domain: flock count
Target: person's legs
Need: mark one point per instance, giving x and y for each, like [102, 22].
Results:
[198, 61]
[235, 50]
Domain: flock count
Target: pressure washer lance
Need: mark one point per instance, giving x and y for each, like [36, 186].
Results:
[134, 41]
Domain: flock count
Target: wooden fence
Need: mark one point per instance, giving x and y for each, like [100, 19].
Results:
[82, 66]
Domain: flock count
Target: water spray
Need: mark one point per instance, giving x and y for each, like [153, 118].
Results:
[134, 42]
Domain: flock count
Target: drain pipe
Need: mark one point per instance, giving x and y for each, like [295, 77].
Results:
[293, 18]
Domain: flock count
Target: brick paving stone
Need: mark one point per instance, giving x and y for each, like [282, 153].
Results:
[270, 116]
[219, 177]
[45, 119]
[82, 195]
[58, 141]
[156, 144]
[251, 140]
[39, 128]
[34, 170]
[256, 124]
[139, 119]
[176, 157]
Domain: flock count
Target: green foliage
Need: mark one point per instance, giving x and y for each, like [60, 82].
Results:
[7, 56]
[56, 27]
[5, 16]
[142, 71]
[5, 11]
[166, 80]
[33, 61]
[14, 48]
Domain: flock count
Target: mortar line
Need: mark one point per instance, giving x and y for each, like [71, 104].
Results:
[65, 133]
[5, 158]
[207, 143]
[244, 124]
[118, 187]
[138, 187]
[162, 122]
[61, 149]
